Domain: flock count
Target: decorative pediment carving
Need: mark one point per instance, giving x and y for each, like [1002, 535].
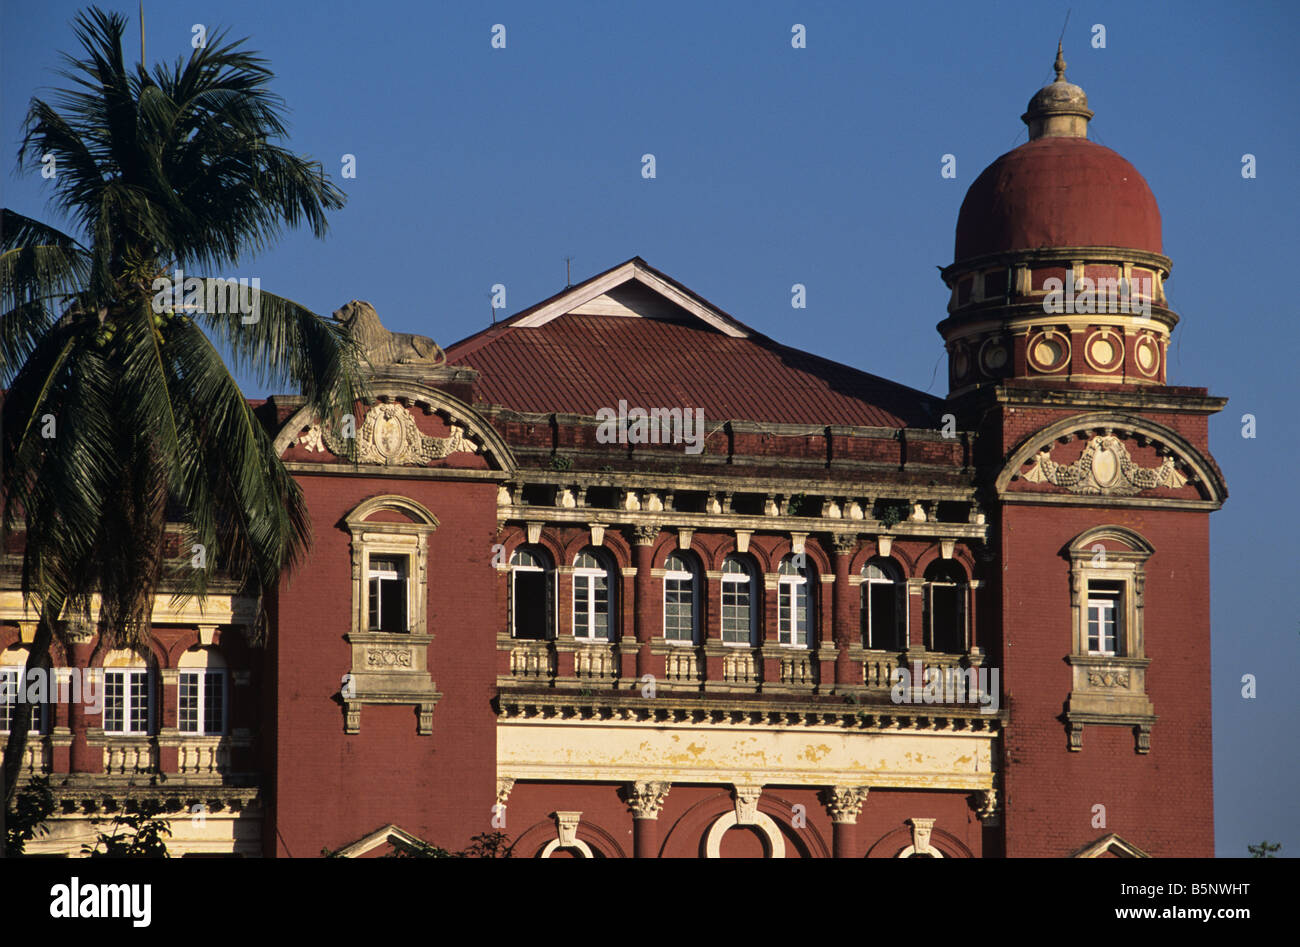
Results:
[1105, 468]
[389, 436]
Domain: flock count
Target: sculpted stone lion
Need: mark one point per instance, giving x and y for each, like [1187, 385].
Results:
[382, 347]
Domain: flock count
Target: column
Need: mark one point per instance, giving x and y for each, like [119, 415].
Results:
[846, 619]
[81, 758]
[644, 537]
[644, 800]
[844, 803]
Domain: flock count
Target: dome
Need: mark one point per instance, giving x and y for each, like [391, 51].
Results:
[1058, 189]
[1058, 192]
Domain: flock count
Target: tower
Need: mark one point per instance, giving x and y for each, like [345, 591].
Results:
[1098, 478]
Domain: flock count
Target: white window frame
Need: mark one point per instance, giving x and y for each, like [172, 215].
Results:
[1112, 598]
[689, 576]
[374, 594]
[591, 576]
[130, 703]
[37, 725]
[201, 694]
[746, 578]
[791, 585]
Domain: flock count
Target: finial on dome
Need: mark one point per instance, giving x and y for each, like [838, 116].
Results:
[1059, 109]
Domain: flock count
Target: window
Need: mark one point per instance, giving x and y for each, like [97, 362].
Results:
[390, 623]
[794, 604]
[944, 608]
[592, 591]
[681, 601]
[884, 606]
[532, 595]
[127, 707]
[10, 690]
[202, 705]
[1105, 606]
[738, 625]
[1108, 571]
[388, 593]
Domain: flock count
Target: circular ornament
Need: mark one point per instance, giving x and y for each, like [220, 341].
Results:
[1147, 356]
[1049, 351]
[1104, 350]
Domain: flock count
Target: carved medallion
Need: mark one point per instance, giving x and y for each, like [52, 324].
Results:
[1104, 468]
[389, 436]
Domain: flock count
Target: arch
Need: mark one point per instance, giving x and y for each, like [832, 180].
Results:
[1205, 473]
[202, 658]
[152, 659]
[554, 845]
[15, 656]
[495, 447]
[1120, 534]
[934, 553]
[762, 821]
[416, 512]
[896, 842]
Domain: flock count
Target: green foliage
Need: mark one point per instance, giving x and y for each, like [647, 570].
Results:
[32, 805]
[161, 170]
[559, 462]
[795, 504]
[137, 834]
[891, 514]
[1264, 849]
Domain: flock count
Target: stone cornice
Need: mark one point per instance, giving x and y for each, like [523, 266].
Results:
[525, 704]
[733, 521]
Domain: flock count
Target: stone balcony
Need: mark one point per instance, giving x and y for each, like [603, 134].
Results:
[722, 669]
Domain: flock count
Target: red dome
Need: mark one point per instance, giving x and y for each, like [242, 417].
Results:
[1058, 192]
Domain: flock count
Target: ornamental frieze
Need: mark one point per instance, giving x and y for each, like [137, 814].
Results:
[389, 436]
[1107, 677]
[1106, 468]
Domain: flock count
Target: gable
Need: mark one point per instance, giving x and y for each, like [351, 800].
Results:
[633, 289]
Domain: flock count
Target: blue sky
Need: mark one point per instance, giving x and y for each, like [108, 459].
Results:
[820, 166]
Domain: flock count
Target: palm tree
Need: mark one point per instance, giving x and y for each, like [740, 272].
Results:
[122, 425]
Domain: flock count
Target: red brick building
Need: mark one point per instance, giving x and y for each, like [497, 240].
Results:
[621, 576]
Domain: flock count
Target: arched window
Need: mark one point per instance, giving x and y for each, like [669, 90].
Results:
[884, 606]
[593, 594]
[681, 599]
[201, 686]
[738, 593]
[532, 594]
[794, 603]
[128, 694]
[944, 616]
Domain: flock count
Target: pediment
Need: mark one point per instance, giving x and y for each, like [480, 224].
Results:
[388, 840]
[1110, 846]
[632, 290]
[396, 430]
[1111, 458]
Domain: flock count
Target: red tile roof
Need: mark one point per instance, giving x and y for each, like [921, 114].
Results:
[578, 364]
